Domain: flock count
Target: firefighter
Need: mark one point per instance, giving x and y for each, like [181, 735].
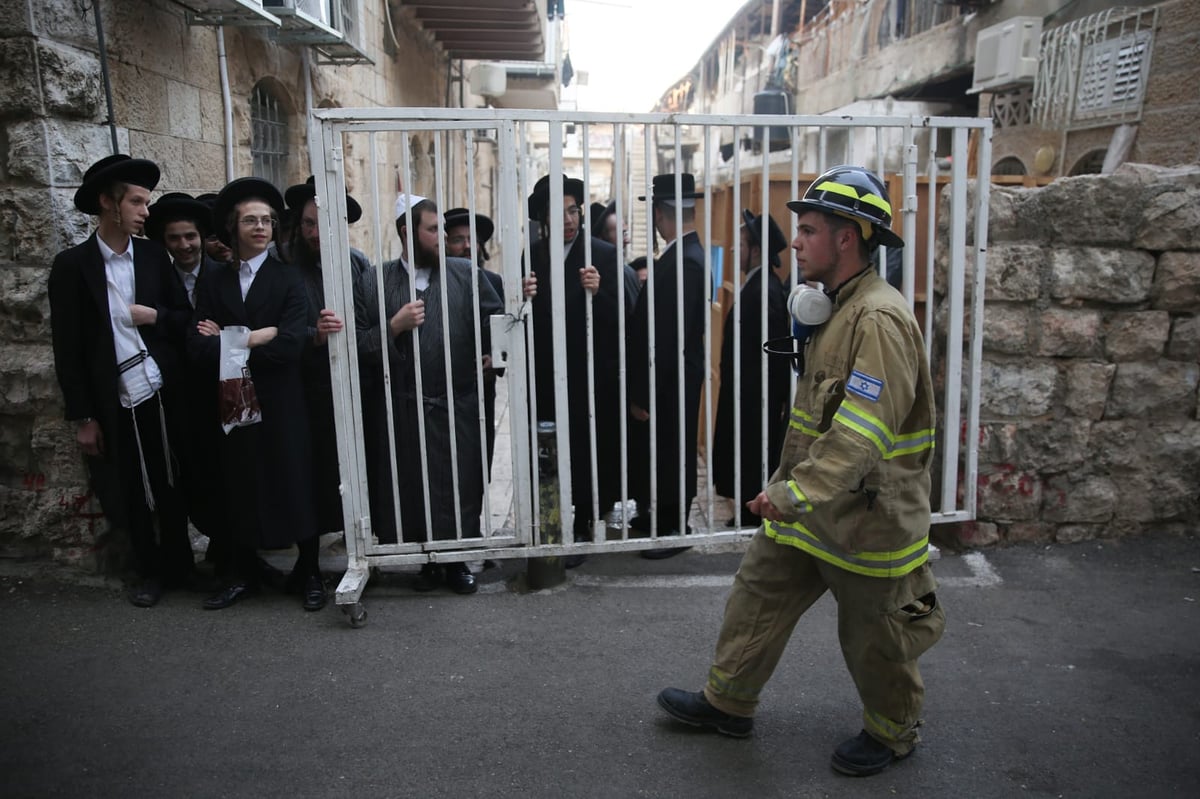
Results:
[848, 508]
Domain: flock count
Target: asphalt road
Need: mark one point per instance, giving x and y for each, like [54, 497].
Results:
[1067, 671]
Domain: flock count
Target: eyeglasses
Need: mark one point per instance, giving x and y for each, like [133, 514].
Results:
[459, 240]
[256, 221]
[573, 211]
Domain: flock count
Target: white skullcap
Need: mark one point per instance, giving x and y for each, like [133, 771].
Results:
[403, 204]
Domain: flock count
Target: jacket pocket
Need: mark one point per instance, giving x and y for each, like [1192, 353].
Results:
[916, 620]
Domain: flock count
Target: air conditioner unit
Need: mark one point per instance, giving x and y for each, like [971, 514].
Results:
[1006, 54]
[317, 9]
[488, 80]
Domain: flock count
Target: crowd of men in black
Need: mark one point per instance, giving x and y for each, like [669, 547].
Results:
[137, 310]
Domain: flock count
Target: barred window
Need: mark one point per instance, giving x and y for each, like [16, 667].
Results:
[1112, 77]
[268, 136]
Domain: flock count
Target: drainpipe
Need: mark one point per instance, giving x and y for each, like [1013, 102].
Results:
[226, 101]
[112, 122]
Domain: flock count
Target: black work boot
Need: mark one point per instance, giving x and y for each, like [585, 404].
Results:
[862, 756]
[693, 708]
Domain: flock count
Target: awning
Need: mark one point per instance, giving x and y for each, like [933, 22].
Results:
[482, 30]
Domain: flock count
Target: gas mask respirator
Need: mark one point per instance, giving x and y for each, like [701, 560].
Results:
[809, 308]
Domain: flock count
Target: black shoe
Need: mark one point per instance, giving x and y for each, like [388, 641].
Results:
[429, 579]
[233, 592]
[573, 561]
[693, 708]
[460, 579]
[862, 756]
[663, 554]
[146, 594]
[314, 593]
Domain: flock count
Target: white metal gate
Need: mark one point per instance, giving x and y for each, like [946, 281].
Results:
[488, 161]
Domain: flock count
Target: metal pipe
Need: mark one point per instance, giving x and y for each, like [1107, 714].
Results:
[108, 101]
[226, 101]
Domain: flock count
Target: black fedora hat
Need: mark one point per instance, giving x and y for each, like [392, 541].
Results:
[118, 168]
[540, 197]
[177, 207]
[663, 189]
[237, 191]
[460, 217]
[596, 214]
[776, 241]
[296, 196]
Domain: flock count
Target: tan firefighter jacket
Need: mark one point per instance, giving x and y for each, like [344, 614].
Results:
[853, 478]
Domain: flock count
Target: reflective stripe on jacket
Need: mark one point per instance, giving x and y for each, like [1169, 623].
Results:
[853, 480]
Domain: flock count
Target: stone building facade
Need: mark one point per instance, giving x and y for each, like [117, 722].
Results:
[167, 105]
[1091, 359]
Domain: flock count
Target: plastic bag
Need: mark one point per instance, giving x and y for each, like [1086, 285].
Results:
[238, 401]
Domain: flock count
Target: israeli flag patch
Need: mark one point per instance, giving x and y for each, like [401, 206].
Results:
[865, 386]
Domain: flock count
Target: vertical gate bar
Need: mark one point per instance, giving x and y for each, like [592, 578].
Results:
[764, 276]
[794, 272]
[356, 534]
[952, 400]
[681, 402]
[406, 170]
[586, 233]
[708, 304]
[448, 366]
[983, 185]
[531, 444]
[911, 199]
[622, 375]
[881, 254]
[485, 520]
[735, 265]
[512, 232]
[650, 360]
[557, 256]
[385, 337]
[930, 240]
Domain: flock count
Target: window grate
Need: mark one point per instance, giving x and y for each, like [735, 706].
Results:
[268, 136]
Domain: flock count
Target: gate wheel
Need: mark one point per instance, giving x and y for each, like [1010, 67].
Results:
[356, 614]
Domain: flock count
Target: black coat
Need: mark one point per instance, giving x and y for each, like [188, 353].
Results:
[668, 380]
[750, 389]
[85, 360]
[267, 467]
[606, 355]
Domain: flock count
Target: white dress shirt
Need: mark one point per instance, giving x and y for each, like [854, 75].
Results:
[138, 380]
[248, 271]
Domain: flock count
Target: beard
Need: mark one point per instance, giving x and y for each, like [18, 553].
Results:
[425, 257]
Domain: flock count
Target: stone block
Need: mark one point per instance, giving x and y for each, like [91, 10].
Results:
[973, 534]
[201, 169]
[1138, 336]
[16, 456]
[1013, 389]
[27, 382]
[1076, 533]
[15, 20]
[1128, 446]
[998, 443]
[1107, 275]
[24, 307]
[1007, 328]
[1069, 333]
[1184, 343]
[39, 522]
[212, 118]
[64, 22]
[37, 223]
[56, 152]
[19, 94]
[54, 455]
[1177, 282]
[166, 151]
[1156, 496]
[1170, 219]
[1009, 495]
[1157, 390]
[184, 109]
[1029, 533]
[1074, 498]
[1053, 445]
[71, 84]
[1087, 388]
[1014, 272]
[1091, 210]
[140, 100]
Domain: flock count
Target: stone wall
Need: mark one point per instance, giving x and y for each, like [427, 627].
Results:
[1091, 358]
[168, 107]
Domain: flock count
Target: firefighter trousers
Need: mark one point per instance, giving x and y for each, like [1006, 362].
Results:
[884, 625]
